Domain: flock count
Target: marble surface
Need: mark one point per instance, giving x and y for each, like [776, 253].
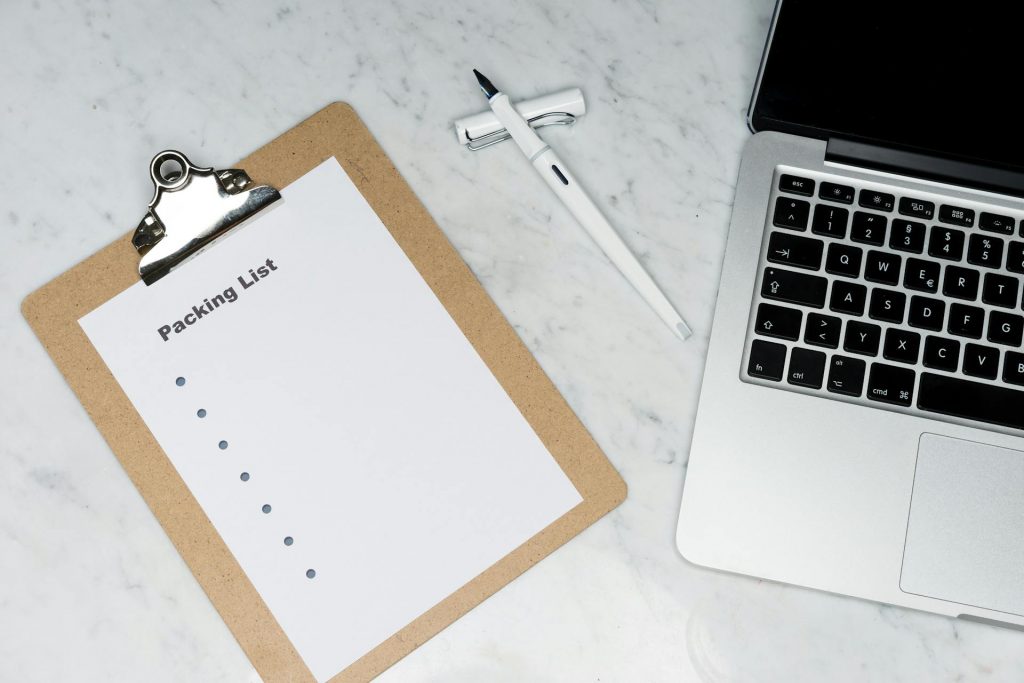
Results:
[92, 590]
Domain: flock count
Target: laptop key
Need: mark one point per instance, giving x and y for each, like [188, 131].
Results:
[791, 213]
[796, 185]
[1013, 368]
[955, 215]
[887, 305]
[794, 250]
[846, 375]
[778, 321]
[947, 243]
[993, 222]
[877, 200]
[985, 251]
[981, 361]
[862, 338]
[848, 297]
[830, 221]
[891, 384]
[806, 368]
[966, 321]
[962, 398]
[961, 283]
[767, 359]
[917, 207]
[883, 267]
[1015, 257]
[794, 288]
[922, 275]
[907, 236]
[868, 228]
[941, 353]
[901, 346]
[926, 313]
[1000, 290]
[844, 259]
[822, 330]
[836, 193]
[1005, 328]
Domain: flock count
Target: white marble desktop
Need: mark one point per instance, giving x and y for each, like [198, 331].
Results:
[90, 587]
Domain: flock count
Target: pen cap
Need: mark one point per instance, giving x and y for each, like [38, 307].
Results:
[471, 129]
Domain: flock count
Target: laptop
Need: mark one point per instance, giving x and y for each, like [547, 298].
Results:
[861, 421]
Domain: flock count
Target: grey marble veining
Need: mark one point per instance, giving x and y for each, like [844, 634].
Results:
[91, 589]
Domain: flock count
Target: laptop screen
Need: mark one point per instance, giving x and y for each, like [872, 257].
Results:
[935, 77]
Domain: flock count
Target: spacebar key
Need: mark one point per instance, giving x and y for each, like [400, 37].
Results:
[971, 400]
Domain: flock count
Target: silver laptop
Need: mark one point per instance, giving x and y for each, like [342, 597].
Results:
[861, 422]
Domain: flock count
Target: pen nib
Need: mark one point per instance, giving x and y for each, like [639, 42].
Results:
[485, 84]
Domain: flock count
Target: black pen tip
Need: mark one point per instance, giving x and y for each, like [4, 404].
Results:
[485, 84]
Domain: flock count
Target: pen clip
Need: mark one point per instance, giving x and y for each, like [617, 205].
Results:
[553, 118]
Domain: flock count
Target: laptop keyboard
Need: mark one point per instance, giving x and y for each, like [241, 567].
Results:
[909, 303]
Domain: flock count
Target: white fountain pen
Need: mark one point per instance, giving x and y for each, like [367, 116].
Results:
[562, 182]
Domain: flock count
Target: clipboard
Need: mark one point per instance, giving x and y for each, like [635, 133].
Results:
[54, 309]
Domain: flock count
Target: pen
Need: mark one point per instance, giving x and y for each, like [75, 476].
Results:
[561, 181]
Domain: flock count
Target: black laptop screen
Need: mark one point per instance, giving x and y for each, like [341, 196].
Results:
[944, 78]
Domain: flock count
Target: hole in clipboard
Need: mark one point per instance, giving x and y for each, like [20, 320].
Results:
[170, 170]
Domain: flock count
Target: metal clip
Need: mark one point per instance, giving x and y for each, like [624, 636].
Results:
[562, 108]
[191, 208]
[557, 118]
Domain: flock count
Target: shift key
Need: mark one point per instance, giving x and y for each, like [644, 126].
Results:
[794, 288]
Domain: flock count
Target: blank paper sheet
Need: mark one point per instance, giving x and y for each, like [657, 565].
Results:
[345, 439]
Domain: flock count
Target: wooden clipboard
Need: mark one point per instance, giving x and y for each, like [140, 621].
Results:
[54, 309]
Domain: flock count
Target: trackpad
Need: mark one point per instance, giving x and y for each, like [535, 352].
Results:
[965, 537]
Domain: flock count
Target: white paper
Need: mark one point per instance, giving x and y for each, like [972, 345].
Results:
[364, 418]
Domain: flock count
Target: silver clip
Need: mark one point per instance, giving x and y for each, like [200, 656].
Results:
[557, 118]
[191, 208]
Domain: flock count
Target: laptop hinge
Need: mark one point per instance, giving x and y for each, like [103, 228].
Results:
[915, 164]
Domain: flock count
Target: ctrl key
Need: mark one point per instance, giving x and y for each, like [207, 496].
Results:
[767, 360]
[889, 384]
[806, 368]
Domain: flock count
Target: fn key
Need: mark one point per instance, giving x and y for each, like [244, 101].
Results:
[767, 360]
